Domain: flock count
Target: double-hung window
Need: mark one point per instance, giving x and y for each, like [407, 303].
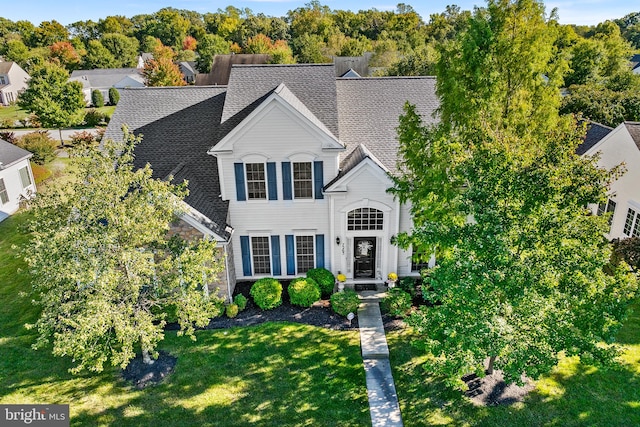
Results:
[25, 177]
[4, 196]
[419, 260]
[305, 254]
[302, 180]
[632, 223]
[606, 207]
[256, 181]
[261, 255]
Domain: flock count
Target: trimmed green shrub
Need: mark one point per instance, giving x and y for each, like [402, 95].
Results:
[241, 301]
[303, 291]
[324, 278]
[267, 293]
[40, 144]
[408, 284]
[345, 302]
[216, 308]
[97, 99]
[82, 139]
[114, 96]
[94, 117]
[232, 310]
[397, 302]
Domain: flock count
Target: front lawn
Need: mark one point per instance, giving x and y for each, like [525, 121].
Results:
[574, 394]
[274, 374]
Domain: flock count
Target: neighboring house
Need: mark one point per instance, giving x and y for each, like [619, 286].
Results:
[13, 81]
[188, 70]
[288, 166]
[221, 67]
[635, 63]
[619, 146]
[142, 58]
[106, 78]
[16, 178]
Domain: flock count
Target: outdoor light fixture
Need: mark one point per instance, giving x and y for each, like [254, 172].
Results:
[337, 240]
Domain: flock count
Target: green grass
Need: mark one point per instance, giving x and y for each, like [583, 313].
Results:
[12, 112]
[574, 394]
[276, 374]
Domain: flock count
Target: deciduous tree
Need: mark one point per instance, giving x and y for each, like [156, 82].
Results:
[497, 191]
[52, 97]
[103, 267]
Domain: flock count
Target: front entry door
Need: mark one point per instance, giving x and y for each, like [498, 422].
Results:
[364, 257]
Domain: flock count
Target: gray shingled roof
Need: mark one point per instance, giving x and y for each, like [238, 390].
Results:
[369, 110]
[5, 66]
[313, 84]
[634, 130]
[179, 125]
[595, 132]
[359, 154]
[10, 154]
[105, 77]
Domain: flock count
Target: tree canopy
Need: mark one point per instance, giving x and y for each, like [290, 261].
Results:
[56, 101]
[497, 191]
[105, 271]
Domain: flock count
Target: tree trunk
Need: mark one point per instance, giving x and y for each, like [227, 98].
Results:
[61, 140]
[492, 360]
[146, 358]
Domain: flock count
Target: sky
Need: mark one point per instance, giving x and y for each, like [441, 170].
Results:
[580, 12]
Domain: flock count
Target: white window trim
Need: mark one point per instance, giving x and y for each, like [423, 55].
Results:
[293, 181]
[266, 182]
[253, 266]
[5, 191]
[313, 248]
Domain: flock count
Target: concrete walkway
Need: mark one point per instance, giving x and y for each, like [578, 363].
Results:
[383, 399]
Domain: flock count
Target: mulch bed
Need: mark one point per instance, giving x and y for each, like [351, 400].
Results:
[488, 391]
[142, 375]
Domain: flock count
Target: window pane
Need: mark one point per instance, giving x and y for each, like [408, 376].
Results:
[631, 214]
[4, 196]
[305, 253]
[261, 258]
[24, 177]
[419, 260]
[256, 184]
[302, 181]
[365, 219]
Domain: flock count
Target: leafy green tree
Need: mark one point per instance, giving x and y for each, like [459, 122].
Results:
[124, 49]
[209, 46]
[116, 24]
[602, 105]
[497, 191]
[15, 50]
[50, 32]
[114, 96]
[98, 56]
[52, 97]
[421, 62]
[103, 268]
[85, 30]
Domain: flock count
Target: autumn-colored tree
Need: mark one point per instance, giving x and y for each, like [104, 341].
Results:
[66, 55]
[189, 43]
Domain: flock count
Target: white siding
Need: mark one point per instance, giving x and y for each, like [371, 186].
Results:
[276, 137]
[617, 148]
[11, 178]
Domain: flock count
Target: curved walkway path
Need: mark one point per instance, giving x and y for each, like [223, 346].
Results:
[383, 399]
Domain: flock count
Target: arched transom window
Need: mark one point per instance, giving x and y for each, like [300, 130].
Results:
[365, 219]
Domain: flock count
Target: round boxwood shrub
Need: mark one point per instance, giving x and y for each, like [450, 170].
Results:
[397, 302]
[324, 278]
[114, 96]
[345, 302]
[303, 291]
[97, 99]
[241, 301]
[232, 310]
[267, 293]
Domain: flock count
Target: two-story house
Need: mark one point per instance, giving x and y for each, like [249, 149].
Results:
[13, 81]
[16, 178]
[618, 147]
[287, 165]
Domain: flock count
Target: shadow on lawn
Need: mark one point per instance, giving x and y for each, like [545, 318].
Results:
[573, 395]
[273, 374]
